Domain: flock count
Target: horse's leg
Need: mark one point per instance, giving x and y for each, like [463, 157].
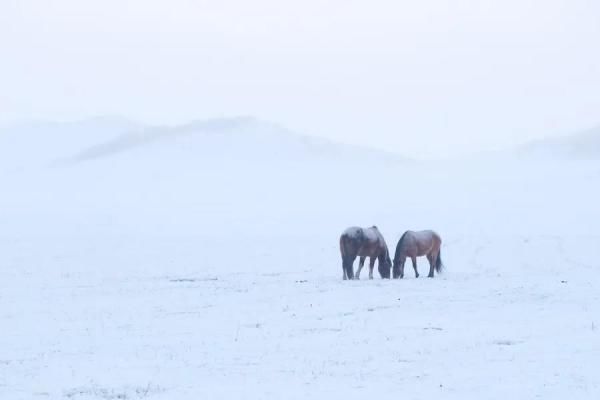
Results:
[361, 264]
[371, 266]
[348, 268]
[414, 262]
[431, 258]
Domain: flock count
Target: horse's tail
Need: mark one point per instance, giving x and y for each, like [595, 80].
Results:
[438, 263]
[342, 246]
[347, 258]
[348, 241]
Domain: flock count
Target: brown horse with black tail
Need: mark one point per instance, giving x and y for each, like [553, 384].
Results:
[417, 244]
[364, 242]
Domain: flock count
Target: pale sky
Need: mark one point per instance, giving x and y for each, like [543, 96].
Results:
[424, 78]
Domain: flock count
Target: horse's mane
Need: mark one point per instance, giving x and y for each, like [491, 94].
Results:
[400, 244]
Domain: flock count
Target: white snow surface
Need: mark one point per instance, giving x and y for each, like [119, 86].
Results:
[205, 264]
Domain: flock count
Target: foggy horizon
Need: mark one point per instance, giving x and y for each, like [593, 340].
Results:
[8, 126]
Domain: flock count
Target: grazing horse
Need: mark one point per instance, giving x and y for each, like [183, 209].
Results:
[364, 242]
[417, 244]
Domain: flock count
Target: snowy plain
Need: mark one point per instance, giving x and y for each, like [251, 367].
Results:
[202, 261]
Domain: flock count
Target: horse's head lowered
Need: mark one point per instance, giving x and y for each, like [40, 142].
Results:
[384, 265]
[396, 269]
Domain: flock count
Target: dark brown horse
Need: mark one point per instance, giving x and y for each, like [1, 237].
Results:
[364, 242]
[417, 244]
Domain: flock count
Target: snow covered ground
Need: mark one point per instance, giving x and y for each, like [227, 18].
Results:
[203, 262]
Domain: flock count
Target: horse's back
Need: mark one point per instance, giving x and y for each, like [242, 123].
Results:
[372, 234]
[428, 239]
[417, 243]
[425, 235]
[362, 241]
[435, 237]
[353, 232]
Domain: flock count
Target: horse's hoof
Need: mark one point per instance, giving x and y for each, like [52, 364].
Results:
[417, 275]
[430, 276]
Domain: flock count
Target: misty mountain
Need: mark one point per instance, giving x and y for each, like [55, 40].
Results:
[33, 144]
[215, 142]
[583, 145]
[245, 139]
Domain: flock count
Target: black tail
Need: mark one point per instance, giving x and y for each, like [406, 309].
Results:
[438, 264]
[347, 259]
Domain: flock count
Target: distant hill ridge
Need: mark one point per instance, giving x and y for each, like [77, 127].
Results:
[37, 144]
[236, 135]
[584, 145]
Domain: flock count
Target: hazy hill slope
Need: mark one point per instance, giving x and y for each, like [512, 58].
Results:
[245, 137]
[577, 146]
[34, 144]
